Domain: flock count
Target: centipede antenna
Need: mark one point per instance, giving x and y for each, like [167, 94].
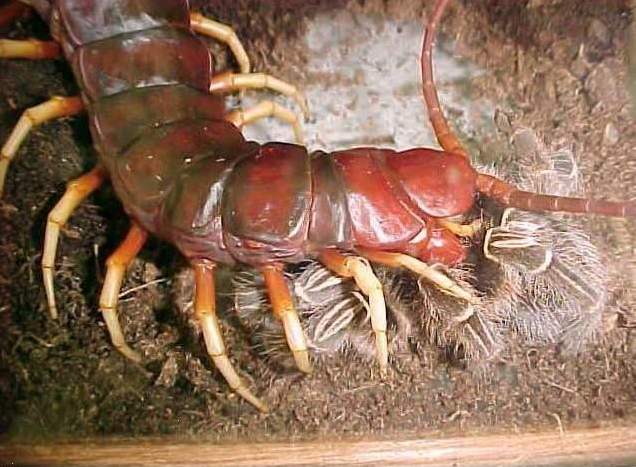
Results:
[510, 196]
[445, 136]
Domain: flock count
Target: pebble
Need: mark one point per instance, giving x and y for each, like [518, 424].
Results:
[169, 372]
[525, 141]
[601, 86]
[610, 135]
[541, 3]
[502, 121]
[580, 65]
[599, 33]
[150, 272]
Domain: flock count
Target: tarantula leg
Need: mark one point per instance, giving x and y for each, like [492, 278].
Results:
[266, 109]
[283, 306]
[360, 270]
[29, 49]
[422, 269]
[56, 107]
[513, 239]
[116, 266]
[205, 312]
[222, 33]
[76, 192]
[227, 82]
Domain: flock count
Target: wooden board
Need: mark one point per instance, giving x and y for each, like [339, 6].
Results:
[595, 447]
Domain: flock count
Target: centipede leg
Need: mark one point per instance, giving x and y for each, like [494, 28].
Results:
[397, 260]
[360, 270]
[228, 82]
[267, 109]
[205, 311]
[462, 230]
[115, 270]
[56, 107]
[29, 49]
[76, 192]
[222, 33]
[284, 309]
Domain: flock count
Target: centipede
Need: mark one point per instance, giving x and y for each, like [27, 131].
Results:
[183, 171]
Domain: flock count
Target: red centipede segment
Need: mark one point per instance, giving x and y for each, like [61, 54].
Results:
[11, 11]
[184, 172]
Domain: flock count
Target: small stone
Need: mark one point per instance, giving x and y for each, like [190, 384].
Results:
[197, 373]
[610, 135]
[150, 272]
[567, 88]
[502, 121]
[169, 372]
[601, 86]
[599, 33]
[525, 142]
[541, 3]
[580, 66]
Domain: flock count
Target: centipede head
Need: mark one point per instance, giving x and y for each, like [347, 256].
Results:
[487, 185]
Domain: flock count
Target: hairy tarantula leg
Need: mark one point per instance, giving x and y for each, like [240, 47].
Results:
[506, 237]
[360, 270]
[29, 49]
[422, 269]
[11, 11]
[462, 230]
[503, 239]
[76, 192]
[226, 82]
[222, 33]
[56, 107]
[266, 109]
[115, 270]
[283, 306]
[205, 312]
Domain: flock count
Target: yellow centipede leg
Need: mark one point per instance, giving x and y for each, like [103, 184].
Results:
[115, 270]
[267, 109]
[284, 309]
[223, 33]
[56, 107]
[29, 49]
[76, 192]
[205, 312]
[359, 269]
[228, 82]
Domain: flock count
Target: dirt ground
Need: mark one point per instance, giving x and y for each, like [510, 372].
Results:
[558, 66]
